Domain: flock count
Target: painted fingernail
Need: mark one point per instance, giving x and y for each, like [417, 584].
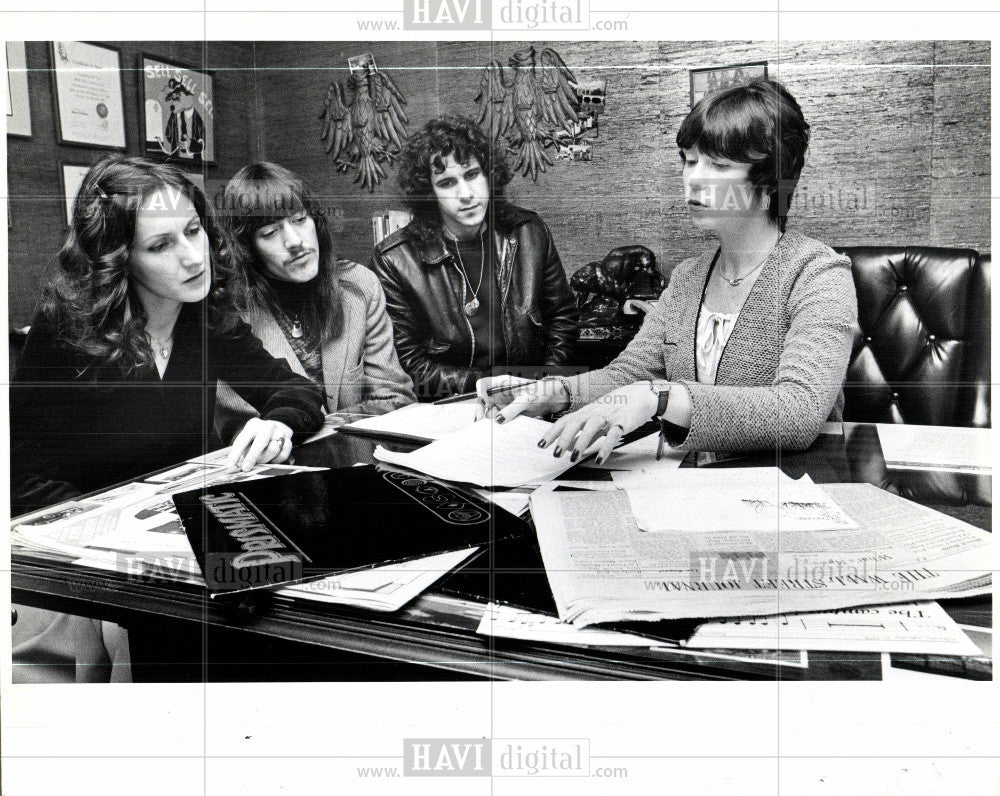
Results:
[574, 456]
[542, 443]
[599, 460]
[557, 451]
[500, 418]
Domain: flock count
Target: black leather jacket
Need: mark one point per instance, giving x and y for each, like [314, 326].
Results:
[425, 293]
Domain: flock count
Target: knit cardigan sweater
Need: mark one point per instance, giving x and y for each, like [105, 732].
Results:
[782, 371]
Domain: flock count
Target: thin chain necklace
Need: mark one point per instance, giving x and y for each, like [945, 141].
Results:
[162, 348]
[740, 279]
[472, 307]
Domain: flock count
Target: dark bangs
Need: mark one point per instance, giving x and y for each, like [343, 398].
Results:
[257, 197]
[731, 124]
[759, 123]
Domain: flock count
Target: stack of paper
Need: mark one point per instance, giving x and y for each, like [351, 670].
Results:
[487, 454]
[603, 568]
[916, 628]
[945, 448]
[421, 423]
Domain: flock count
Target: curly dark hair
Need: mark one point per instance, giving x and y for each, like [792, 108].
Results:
[90, 299]
[759, 123]
[262, 194]
[463, 139]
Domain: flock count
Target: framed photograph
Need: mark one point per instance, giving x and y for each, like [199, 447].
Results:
[705, 81]
[18, 111]
[362, 64]
[178, 113]
[71, 177]
[88, 95]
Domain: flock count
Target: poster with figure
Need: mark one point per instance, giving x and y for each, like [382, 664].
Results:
[178, 111]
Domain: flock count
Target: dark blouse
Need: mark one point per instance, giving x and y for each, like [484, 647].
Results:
[77, 426]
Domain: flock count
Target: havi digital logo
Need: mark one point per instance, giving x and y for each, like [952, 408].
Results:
[447, 14]
[446, 757]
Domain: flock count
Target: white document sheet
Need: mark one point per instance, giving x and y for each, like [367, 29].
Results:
[778, 506]
[918, 628]
[503, 621]
[514, 501]
[951, 449]
[430, 421]
[760, 478]
[486, 454]
[640, 456]
[386, 588]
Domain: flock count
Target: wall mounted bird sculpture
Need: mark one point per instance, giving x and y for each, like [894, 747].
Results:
[364, 125]
[527, 104]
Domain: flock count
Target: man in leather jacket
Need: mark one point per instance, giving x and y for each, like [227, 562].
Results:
[474, 285]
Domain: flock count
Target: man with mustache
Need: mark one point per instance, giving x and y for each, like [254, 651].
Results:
[473, 284]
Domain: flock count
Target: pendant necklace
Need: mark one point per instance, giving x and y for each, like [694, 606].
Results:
[740, 279]
[161, 348]
[297, 330]
[471, 307]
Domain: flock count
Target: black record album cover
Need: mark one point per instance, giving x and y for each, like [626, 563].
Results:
[293, 528]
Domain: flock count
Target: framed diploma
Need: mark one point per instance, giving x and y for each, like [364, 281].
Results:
[178, 113]
[71, 176]
[18, 112]
[88, 95]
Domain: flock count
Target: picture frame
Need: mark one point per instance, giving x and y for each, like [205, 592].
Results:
[177, 115]
[87, 94]
[18, 107]
[71, 178]
[716, 78]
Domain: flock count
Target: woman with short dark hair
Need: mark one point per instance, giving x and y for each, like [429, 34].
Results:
[325, 317]
[748, 346]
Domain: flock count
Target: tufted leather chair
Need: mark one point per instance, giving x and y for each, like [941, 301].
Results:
[923, 352]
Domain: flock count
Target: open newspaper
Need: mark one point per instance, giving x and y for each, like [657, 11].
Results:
[603, 568]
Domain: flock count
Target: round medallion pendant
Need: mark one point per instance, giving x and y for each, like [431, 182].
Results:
[471, 307]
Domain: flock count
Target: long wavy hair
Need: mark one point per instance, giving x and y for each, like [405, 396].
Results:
[262, 194]
[759, 123]
[425, 152]
[90, 298]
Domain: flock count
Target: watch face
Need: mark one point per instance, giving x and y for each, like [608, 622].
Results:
[661, 404]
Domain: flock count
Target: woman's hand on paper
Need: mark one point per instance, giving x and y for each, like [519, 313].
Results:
[603, 422]
[525, 396]
[260, 442]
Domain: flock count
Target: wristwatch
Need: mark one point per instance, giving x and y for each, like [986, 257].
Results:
[663, 398]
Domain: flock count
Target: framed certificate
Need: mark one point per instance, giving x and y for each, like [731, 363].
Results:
[88, 95]
[71, 177]
[705, 81]
[178, 113]
[18, 111]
